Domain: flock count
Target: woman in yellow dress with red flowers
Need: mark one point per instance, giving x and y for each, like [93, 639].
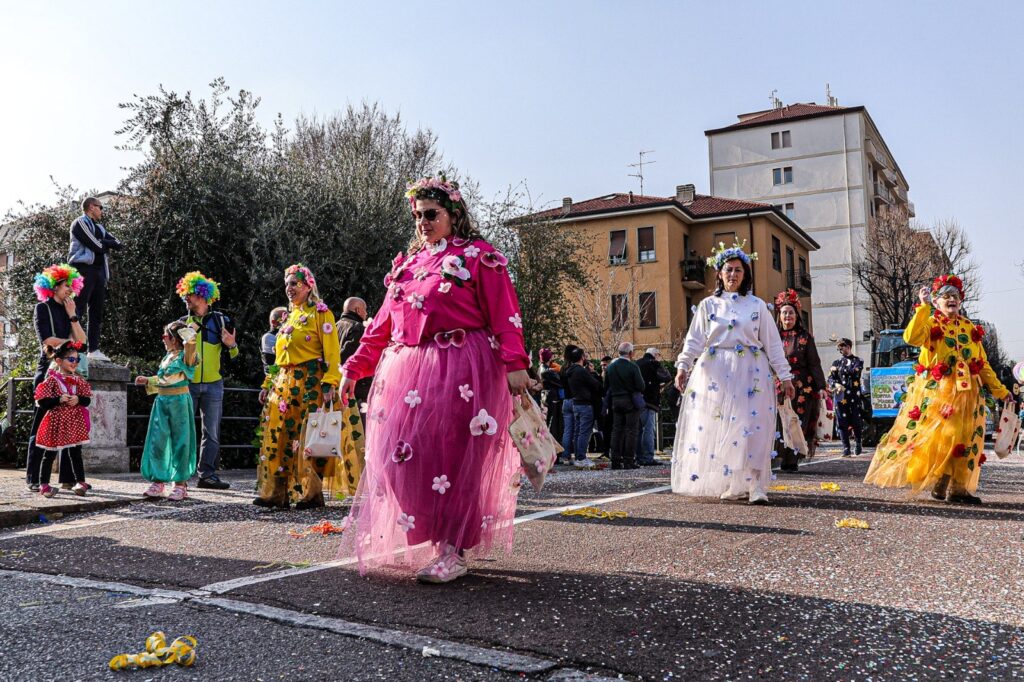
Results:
[938, 439]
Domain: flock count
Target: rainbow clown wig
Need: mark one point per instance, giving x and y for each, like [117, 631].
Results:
[46, 281]
[199, 284]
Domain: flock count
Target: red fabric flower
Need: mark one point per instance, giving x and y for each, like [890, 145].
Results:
[959, 450]
[937, 332]
[982, 459]
[919, 368]
[938, 371]
[977, 333]
[915, 413]
[976, 365]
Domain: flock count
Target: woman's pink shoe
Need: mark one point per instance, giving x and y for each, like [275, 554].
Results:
[154, 490]
[178, 494]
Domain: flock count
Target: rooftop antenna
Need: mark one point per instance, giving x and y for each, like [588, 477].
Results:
[640, 168]
[832, 101]
[776, 102]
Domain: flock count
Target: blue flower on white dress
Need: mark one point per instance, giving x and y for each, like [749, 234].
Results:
[693, 449]
[734, 296]
[713, 386]
[712, 350]
[712, 317]
[726, 470]
[755, 315]
[694, 477]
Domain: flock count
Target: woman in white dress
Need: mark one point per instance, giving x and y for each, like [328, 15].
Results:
[726, 429]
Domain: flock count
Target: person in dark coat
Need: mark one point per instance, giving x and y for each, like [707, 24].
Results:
[844, 381]
[585, 388]
[553, 392]
[351, 326]
[655, 376]
[625, 388]
[568, 419]
[808, 378]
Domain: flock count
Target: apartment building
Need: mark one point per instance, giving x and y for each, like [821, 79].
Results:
[827, 168]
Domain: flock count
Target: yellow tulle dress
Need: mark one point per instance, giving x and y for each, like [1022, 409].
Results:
[940, 430]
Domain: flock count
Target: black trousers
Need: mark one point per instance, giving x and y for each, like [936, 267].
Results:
[71, 469]
[91, 300]
[625, 426]
[847, 422]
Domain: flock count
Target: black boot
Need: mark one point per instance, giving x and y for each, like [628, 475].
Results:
[939, 491]
[964, 497]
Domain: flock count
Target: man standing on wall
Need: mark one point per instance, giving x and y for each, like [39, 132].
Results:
[216, 333]
[90, 244]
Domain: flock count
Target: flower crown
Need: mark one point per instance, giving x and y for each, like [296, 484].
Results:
[438, 189]
[721, 255]
[302, 273]
[199, 284]
[943, 283]
[788, 297]
[45, 283]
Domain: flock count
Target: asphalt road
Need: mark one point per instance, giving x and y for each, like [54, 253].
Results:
[680, 589]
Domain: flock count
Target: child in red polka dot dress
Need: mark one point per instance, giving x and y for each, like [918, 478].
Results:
[66, 396]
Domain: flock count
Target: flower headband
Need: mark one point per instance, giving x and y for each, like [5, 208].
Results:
[46, 282]
[199, 284]
[722, 255]
[302, 273]
[943, 285]
[788, 297]
[438, 189]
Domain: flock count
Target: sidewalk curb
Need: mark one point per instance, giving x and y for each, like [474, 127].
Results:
[20, 514]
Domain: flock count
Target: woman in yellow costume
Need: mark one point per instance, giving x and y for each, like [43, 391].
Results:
[938, 439]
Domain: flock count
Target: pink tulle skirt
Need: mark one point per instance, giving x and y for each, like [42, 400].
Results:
[440, 465]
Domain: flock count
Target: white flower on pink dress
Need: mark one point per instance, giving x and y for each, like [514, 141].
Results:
[452, 266]
[465, 392]
[472, 251]
[494, 342]
[516, 321]
[483, 424]
[402, 452]
[416, 301]
[421, 273]
[438, 247]
[378, 415]
[441, 484]
[488, 521]
[444, 287]
[412, 398]
[406, 522]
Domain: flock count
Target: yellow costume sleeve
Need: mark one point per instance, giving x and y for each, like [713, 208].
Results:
[988, 377]
[919, 330]
[331, 348]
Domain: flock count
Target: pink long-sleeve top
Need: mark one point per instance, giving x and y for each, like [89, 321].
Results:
[456, 284]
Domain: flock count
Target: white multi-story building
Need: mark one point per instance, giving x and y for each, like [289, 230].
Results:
[828, 168]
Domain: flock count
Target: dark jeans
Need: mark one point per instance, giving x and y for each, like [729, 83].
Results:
[646, 442]
[625, 427]
[568, 429]
[208, 400]
[846, 423]
[583, 422]
[90, 301]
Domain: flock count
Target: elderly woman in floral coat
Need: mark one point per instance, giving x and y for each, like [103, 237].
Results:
[808, 378]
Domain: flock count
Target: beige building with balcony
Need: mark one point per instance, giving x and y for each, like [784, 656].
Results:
[828, 168]
[649, 267]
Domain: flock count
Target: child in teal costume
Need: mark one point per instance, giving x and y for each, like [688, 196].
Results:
[170, 450]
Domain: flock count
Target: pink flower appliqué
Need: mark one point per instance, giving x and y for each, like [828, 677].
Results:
[465, 392]
[487, 521]
[288, 329]
[494, 343]
[441, 484]
[406, 522]
[421, 273]
[282, 406]
[456, 337]
[328, 327]
[397, 292]
[483, 424]
[516, 321]
[947, 411]
[541, 466]
[528, 440]
[321, 307]
[494, 259]
[444, 287]
[452, 266]
[412, 398]
[378, 415]
[472, 251]
[402, 452]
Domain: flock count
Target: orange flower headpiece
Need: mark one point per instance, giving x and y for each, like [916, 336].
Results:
[947, 284]
[788, 297]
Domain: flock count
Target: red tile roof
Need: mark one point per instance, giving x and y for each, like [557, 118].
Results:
[702, 205]
[787, 113]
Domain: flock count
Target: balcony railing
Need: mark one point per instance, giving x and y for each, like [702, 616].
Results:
[799, 280]
[882, 192]
[694, 272]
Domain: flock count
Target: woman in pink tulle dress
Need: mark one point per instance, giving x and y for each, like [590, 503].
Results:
[445, 350]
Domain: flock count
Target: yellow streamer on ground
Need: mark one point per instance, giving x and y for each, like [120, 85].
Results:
[158, 654]
[828, 486]
[850, 522]
[595, 513]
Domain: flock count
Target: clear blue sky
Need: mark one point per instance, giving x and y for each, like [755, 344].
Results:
[560, 94]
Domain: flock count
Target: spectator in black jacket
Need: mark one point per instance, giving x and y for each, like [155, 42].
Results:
[553, 394]
[603, 416]
[351, 326]
[585, 388]
[568, 418]
[625, 388]
[90, 244]
[655, 377]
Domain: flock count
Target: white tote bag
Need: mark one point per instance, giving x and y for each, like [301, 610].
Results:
[826, 420]
[792, 432]
[322, 433]
[1007, 432]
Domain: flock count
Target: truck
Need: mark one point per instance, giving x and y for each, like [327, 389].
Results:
[892, 363]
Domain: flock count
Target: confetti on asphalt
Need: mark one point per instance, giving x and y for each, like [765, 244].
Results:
[323, 529]
[827, 486]
[595, 513]
[850, 522]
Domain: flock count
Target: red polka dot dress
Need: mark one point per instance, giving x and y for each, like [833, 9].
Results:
[64, 426]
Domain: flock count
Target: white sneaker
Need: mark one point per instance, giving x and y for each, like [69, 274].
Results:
[98, 355]
[758, 497]
[583, 463]
[732, 496]
[444, 569]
